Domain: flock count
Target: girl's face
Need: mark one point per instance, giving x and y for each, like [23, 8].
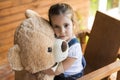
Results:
[62, 26]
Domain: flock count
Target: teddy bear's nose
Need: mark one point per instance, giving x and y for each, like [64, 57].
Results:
[64, 46]
[49, 49]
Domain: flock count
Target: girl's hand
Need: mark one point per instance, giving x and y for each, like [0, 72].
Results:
[49, 72]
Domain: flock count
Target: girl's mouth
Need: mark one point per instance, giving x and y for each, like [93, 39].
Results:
[62, 37]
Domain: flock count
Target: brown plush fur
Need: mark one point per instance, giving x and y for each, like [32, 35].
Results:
[34, 37]
[30, 53]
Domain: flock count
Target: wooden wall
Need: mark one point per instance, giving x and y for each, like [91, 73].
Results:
[12, 13]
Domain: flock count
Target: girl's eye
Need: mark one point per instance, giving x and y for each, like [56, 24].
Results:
[66, 25]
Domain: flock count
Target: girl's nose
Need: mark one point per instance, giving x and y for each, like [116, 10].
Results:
[62, 30]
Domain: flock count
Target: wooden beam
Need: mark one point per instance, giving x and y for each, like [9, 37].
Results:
[102, 72]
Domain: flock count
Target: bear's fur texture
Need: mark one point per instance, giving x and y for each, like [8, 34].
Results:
[33, 49]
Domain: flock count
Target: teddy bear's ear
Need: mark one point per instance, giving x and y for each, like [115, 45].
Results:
[14, 58]
[30, 13]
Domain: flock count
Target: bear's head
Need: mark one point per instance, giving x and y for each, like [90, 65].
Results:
[35, 45]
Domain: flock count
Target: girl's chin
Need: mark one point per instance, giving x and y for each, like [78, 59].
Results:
[66, 39]
[63, 38]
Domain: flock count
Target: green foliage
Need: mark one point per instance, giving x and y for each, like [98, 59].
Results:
[93, 6]
[109, 4]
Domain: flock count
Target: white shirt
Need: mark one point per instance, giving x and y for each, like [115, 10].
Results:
[75, 52]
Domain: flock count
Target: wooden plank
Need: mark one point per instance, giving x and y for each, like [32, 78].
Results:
[5, 47]
[5, 44]
[22, 8]
[36, 5]
[6, 41]
[27, 1]
[102, 72]
[20, 16]
[15, 3]
[10, 26]
[103, 43]
[7, 34]
[5, 4]
[17, 9]
[3, 58]
[12, 18]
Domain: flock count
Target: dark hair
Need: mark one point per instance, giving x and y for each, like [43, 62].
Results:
[60, 8]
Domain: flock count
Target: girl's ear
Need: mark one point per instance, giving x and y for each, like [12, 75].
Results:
[73, 25]
[14, 58]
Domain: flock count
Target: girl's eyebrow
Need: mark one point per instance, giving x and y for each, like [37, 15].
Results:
[66, 23]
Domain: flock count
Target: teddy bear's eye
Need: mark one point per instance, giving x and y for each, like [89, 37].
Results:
[49, 49]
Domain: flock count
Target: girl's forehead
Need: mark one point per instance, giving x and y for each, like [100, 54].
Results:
[61, 20]
[61, 17]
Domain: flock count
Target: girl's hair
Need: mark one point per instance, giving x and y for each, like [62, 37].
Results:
[60, 8]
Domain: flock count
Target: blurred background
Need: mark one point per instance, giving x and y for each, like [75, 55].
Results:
[12, 14]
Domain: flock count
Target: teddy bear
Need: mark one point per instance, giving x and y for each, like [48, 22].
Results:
[36, 49]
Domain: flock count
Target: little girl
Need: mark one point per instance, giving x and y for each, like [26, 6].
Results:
[61, 17]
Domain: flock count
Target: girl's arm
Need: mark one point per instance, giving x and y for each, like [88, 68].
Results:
[64, 65]
[49, 72]
[68, 62]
